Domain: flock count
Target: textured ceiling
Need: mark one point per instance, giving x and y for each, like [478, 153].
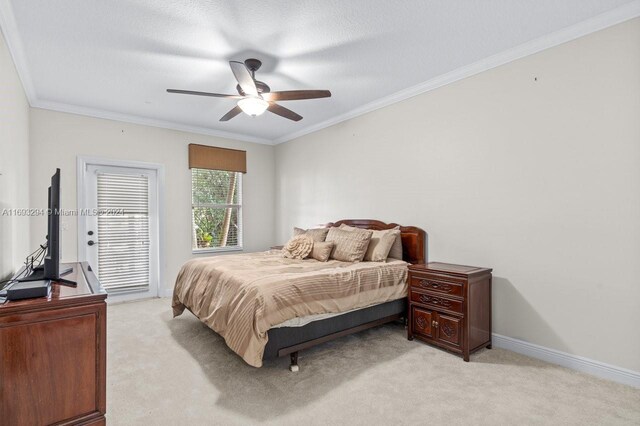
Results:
[116, 58]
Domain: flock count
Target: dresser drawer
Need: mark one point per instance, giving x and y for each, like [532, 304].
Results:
[436, 301]
[444, 287]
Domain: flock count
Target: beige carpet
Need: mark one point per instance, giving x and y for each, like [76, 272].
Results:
[164, 371]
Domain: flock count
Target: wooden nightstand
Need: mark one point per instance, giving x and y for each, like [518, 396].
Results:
[450, 306]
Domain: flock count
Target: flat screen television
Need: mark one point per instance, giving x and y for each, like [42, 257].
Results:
[50, 270]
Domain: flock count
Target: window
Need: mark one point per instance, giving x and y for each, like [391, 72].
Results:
[216, 210]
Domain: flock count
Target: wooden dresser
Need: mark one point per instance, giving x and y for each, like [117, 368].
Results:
[53, 355]
[450, 306]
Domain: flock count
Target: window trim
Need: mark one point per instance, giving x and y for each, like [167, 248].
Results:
[239, 205]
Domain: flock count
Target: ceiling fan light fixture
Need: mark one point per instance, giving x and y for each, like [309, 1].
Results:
[253, 106]
[255, 97]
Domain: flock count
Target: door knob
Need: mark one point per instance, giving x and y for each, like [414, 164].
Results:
[90, 242]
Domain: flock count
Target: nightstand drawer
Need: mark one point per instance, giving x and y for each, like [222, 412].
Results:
[444, 287]
[436, 301]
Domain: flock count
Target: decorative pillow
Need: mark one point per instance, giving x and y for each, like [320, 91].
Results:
[298, 247]
[349, 246]
[321, 251]
[317, 234]
[396, 248]
[380, 246]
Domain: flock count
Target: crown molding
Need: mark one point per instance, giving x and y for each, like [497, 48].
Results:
[597, 23]
[9, 29]
[129, 118]
[12, 38]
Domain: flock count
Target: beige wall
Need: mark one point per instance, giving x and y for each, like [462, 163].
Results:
[14, 165]
[58, 138]
[538, 179]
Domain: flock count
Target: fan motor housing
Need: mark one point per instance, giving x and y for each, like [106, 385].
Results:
[260, 85]
[253, 64]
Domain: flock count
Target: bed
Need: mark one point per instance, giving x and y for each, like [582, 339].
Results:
[265, 306]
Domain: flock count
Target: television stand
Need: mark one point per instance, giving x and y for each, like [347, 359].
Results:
[38, 275]
[53, 368]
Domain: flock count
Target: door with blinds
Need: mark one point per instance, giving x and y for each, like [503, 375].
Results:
[121, 223]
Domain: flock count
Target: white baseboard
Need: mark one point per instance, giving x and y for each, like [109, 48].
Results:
[574, 362]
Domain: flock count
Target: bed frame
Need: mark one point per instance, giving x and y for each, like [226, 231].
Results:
[290, 341]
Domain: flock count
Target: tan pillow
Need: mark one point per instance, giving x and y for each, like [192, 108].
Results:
[318, 234]
[379, 246]
[298, 247]
[350, 246]
[396, 248]
[321, 251]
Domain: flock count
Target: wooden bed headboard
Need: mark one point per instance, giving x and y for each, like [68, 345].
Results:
[413, 238]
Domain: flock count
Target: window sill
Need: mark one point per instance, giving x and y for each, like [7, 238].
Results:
[216, 250]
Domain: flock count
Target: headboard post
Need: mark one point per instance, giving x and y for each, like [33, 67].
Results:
[413, 238]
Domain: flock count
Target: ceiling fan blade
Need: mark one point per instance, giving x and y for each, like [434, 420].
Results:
[213, 95]
[283, 112]
[296, 95]
[245, 80]
[234, 111]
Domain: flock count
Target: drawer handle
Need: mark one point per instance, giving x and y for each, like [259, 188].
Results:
[435, 301]
[435, 285]
[434, 324]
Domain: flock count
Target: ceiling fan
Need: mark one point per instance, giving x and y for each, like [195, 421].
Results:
[256, 96]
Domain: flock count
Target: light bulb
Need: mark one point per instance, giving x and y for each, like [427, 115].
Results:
[253, 106]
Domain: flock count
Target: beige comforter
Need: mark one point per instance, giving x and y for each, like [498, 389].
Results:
[242, 296]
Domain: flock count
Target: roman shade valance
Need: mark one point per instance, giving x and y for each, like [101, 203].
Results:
[214, 158]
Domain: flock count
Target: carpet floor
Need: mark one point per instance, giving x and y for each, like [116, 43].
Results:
[166, 371]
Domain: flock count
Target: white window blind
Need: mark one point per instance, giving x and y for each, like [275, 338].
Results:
[123, 232]
[217, 209]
